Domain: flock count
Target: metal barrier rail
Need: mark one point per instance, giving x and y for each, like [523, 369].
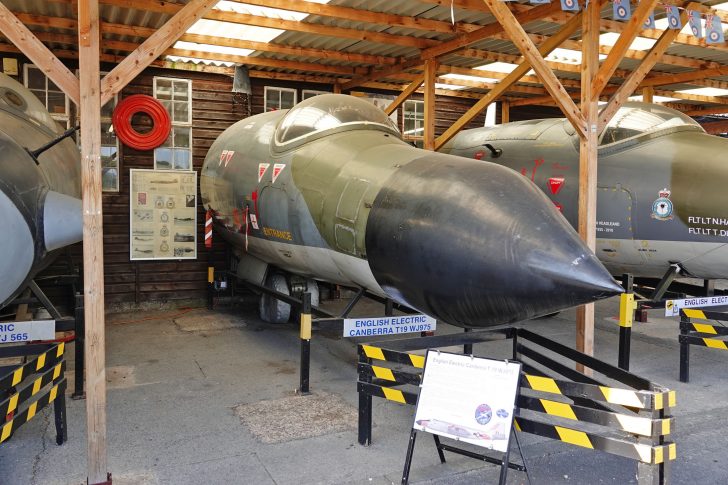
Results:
[630, 417]
[28, 388]
[702, 334]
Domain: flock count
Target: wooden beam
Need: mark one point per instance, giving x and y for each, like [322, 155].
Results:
[587, 213]
[93, 239]
[487, 31]
[406, 93]
[702, 111]
[39, 54]
[628, 34]
[661, 80]
[716, 127]
[630, 84]
[403, 66]
[505, 112]
[648, 94]
[535, 59]
[430, 76]
[151, 48]
[550, 44]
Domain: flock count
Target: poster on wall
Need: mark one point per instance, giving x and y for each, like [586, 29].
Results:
[162, 214]
[468, 398]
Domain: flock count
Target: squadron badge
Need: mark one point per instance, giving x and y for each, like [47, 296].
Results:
[662, 206]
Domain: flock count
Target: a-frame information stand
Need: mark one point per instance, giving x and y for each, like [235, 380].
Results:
[469, 399]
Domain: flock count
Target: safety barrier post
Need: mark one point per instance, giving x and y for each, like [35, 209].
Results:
[684, 348]
[365, 400]
[627, 307]
[305, 343]
[80, 337]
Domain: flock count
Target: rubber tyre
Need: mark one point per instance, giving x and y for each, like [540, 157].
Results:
[271, 309]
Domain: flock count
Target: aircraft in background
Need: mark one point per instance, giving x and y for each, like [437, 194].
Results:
[661, 185]
[329, 191]
[40, 188]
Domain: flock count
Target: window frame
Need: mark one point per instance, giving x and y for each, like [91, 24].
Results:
[315, 92]
[279, 90]
[421, 112]
[65, 118]
[186, 124]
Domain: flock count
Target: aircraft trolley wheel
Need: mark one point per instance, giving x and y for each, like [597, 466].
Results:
[271, 309]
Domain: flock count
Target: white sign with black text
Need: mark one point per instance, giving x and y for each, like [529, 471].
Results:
[372, 326]
[468, 399]
[11, 332]
[672, 307]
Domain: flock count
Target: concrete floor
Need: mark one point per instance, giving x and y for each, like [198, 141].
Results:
[179, 382]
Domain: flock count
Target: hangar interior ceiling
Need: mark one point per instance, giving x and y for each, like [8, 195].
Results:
[382, 44]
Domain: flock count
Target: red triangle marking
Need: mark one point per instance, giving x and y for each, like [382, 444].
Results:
[555, 184]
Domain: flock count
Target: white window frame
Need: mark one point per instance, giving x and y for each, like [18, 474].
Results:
[419, 110]
[187, 123]
[65, 118]
[278, 91]
[310, 93]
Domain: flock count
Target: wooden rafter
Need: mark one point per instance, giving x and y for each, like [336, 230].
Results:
[535, 59]
[635, 78]
[631, 28]
[23, 38]
[379, 74]
[498, 89]
[151, 48]
[429, 112]
[406, 93]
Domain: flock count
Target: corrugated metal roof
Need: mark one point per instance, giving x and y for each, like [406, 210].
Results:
[151, 19]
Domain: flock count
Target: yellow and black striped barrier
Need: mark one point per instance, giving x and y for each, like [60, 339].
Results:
[26, 389]
[711, 332]
[555, 401]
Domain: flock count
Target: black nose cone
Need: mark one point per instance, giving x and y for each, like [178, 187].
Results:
[476, 244]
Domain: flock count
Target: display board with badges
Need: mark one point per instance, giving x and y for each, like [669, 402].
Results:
[162, 215]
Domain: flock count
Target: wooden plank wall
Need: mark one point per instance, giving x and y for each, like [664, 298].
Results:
[151, 284]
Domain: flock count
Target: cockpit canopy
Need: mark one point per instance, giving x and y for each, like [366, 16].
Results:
[635, 119]
[16, 98]
[329, 113]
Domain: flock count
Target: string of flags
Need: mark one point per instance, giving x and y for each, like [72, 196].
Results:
[622, 10]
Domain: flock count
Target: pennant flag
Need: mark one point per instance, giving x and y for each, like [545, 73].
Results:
[694, 21]
[673, 17]
[621, 10]
[649, 21]
[539, 1]
[713, 29]
[570, 5]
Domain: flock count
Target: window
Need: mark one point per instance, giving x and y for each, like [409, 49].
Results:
[52, 97]
[176, 152]
[310, 93]
[109, 148]
[413, 122]
[279, 98]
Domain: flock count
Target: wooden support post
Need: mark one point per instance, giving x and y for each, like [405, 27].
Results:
[406, 93]
[93, 239]
[337, 88]
[588, 166]
[648, 94]
[505, 112]
[430, 78]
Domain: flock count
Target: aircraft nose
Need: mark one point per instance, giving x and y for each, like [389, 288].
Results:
[476, 244]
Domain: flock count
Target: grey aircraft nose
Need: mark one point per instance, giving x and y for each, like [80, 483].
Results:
[478, 245]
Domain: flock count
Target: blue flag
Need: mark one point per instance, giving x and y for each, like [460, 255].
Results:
[694, 21]
[673, 17]
[713, 30]
[570, 5]
[620, 10]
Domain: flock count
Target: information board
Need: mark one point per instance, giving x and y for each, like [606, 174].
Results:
[372, 326]
[468, 398]
[672, 307]
[163, 214]
[27, 331]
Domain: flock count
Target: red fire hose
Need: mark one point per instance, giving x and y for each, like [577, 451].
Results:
[141, 103]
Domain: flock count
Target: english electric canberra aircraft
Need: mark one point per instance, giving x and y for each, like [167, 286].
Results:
[329, 191]
[661, 185]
